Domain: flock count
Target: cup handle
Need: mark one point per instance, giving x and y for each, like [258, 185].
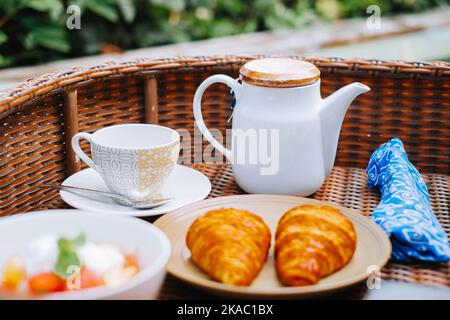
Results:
[218, 78]
[80, 153]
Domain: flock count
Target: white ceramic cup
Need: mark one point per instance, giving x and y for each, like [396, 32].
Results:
[134, 160]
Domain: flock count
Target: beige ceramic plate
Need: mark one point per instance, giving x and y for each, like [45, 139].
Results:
[373, 249]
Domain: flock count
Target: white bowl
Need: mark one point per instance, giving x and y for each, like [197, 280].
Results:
[131, 234]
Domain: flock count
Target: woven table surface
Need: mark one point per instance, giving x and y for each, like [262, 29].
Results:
[345, 187]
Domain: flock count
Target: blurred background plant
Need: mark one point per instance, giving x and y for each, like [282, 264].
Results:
[34, 31]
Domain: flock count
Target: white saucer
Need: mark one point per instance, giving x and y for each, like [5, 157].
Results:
[184, 184]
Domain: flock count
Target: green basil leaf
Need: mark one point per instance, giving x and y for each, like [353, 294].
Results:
[67, 256]
[79, 240]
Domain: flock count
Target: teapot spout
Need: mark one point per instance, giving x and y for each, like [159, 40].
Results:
[332, 115]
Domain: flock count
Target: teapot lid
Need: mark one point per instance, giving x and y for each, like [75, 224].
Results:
[279, 72]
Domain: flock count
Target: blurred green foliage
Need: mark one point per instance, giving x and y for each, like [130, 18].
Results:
[34, 31]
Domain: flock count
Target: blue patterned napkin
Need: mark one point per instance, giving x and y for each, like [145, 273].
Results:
[404, 212]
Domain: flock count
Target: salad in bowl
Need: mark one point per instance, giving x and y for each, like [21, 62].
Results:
[71, 254]
[53, 263]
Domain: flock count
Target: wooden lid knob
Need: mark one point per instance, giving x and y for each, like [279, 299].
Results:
[279, 72]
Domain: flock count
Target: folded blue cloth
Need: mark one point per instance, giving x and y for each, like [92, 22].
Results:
[404, 212]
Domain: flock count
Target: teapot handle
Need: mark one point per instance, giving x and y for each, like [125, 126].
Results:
[218, 78]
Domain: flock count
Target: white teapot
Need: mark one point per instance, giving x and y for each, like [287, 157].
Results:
[284, 135]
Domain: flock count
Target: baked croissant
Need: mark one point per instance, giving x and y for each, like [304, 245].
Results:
[312, 242]
[230, 245]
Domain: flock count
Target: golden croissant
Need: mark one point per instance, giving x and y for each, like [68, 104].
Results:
[230, 245]
[312, 242]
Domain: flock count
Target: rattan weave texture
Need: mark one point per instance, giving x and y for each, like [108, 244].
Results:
[408, 100]
[345, 187]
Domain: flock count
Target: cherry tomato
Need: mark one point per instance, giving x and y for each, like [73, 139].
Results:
[45, 283]
[89, 279]
[131, 261]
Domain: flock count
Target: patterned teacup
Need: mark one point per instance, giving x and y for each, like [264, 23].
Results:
[134, 160]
